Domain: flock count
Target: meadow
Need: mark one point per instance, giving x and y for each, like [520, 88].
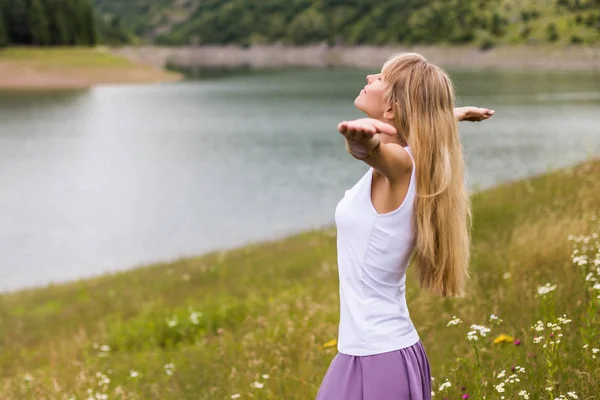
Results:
[260, 322]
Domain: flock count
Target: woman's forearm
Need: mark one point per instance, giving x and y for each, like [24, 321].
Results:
[459, 113]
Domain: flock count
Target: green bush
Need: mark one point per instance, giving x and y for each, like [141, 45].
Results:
[552, 32]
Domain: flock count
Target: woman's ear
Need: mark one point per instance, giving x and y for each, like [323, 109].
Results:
[389, 113]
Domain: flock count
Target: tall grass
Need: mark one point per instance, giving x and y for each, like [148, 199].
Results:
[260, 322]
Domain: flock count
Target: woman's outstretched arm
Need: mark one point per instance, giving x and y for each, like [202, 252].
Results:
[474, 114]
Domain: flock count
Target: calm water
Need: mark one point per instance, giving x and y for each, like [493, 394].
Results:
[114, 177]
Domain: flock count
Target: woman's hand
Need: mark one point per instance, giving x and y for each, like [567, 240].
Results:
[363, 129]
[362, 135]
[474, 114]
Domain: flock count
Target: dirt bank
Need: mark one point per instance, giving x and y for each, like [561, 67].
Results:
[69, 68]
[322, 56]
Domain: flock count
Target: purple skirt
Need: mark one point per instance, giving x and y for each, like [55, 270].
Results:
[401, 374]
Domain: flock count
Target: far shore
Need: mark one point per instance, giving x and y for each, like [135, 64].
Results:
[77, 68]
[523, 57]
[31, 68]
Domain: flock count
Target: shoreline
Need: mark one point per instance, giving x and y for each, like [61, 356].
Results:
[537, 58]
[63, 68]
[218, 253]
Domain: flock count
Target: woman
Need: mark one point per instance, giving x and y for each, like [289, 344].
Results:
[411, 205]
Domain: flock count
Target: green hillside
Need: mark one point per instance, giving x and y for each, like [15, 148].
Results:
[484, 22]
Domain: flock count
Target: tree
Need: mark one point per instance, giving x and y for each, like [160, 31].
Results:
[308, 27]
[38, 23]
[3, 34]
[17, 26]
[57, 22]
[89, 23]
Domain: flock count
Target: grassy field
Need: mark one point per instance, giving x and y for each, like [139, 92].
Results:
[30, 67]
[260, 322]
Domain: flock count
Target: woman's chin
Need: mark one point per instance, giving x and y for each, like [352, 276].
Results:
[358, 103]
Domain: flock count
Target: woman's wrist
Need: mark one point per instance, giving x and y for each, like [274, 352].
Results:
[364, 149]
[459, 113]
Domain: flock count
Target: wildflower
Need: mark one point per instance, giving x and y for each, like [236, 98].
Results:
[537, 339]
[169, 369]
[506, 275]
[444, 385]
[572, 395]
[265, 376]
[517, 342]
[563, 320]
[330, 343]
[27, 377]
[465, 396]
[454, 321]
[133, 374]
[105, 348]
[501, 374]
[482, 329]
[590, 277]
[172, 322]
[235, 396]
[544, 290]
[503, 338]
[257, 385]
[500, 387]
[524, 394]
[194, 317]
[538, 327]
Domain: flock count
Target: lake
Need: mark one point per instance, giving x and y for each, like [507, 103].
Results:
[119, 176]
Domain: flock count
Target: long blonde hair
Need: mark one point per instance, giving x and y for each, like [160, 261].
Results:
[422, 98]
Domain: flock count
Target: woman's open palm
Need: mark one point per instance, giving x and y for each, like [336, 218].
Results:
[364, 128]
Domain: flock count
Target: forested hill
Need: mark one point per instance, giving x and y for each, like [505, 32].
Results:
[484, 22]
[55, 23]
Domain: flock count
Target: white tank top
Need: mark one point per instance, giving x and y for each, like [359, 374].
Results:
[373, 253]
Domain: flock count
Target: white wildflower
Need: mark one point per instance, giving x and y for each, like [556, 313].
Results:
[524, 394]
[572, 395]
[257, 385]
[454, 321]
[545, 289]
[133, 374]
[538, 327]
[444, 385]
[500, 387]
[194, 317]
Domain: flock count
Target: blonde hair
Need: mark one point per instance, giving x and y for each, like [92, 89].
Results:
[422, 97]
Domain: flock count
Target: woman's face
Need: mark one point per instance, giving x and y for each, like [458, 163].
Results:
[371, 99]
